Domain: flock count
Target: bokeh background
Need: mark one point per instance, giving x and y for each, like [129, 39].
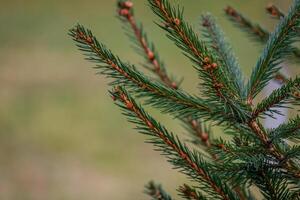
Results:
[61, 137]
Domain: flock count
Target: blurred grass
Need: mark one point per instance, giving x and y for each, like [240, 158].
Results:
[61, 136]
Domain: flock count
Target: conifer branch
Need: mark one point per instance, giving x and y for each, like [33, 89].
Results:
[126, 13]
[156, 192]
[190, 163]
[256, 32]
[216, 84]
[277, 47]
[167, 99]
[287, 94]
[255, 155]
[217, 41]
[275, 12]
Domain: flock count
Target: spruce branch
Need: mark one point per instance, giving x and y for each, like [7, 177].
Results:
[277, 47]
[139, 37]
[257, 32]
[287, 94]
[216, 84]
[156, 192]
[253, 155]
[217, 41]
[275, 12]
[167, 99]
[178, 154]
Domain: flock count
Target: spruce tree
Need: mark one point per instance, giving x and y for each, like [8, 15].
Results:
[254, 156]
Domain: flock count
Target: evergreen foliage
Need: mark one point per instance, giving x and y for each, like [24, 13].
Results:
[253, 157]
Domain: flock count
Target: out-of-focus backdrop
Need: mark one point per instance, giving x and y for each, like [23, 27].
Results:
[61, 137]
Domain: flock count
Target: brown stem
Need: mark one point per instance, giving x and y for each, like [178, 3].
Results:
[183, 155]
[157, 68]
[264, 139]
[206, 63]
[90, 41]
[204, 137]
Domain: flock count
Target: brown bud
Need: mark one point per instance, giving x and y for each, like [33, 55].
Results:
[214, 65]
[150, 55]
[79, 34]
[177, 21]
[204, 137]
[124, 12]
[89, 39]
[174, 85]
[274, 13]
[129, 105]
[272, 10]
[206, 60]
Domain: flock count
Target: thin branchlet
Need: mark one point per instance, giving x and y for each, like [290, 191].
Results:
[217, 41]
[257, 32]
[216, 84]
[278, 46]
[189, 162]
[126, 12]
[113, 67]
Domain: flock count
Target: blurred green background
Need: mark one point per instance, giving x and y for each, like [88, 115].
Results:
[61, 136]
